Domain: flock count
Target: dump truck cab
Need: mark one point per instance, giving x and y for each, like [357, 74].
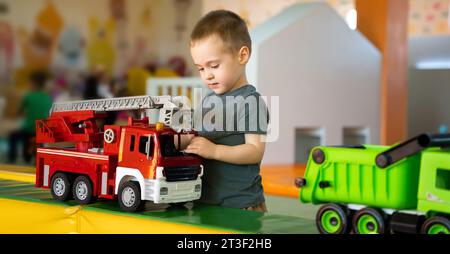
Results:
[434, 183]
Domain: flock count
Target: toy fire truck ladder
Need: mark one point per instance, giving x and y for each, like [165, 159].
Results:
[76, 121]
[411, 147]
[168, 106]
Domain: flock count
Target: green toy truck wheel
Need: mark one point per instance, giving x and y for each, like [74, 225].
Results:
[332, 219]
[369, 221]
[436, 225]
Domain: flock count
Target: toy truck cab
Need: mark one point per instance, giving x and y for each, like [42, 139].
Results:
[151, 165]
[434, 186]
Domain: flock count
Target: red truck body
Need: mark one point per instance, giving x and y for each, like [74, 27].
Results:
[136, 162]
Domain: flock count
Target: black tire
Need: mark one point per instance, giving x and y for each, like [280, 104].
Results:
[83, 191]
[375, 224]
[339, 219]
[130, 197]
[435, 221]
[61, 187]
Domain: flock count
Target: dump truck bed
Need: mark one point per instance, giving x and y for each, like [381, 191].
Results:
[351, 176]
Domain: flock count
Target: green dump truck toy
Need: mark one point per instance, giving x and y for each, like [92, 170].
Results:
[379, 189]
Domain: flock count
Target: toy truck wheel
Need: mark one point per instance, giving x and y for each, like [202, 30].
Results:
[332, 219]
[61, 189]
[369, 221]
[436, 225]
[83, 191]
[130, 197]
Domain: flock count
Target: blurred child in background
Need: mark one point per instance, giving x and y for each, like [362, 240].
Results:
[35, 105]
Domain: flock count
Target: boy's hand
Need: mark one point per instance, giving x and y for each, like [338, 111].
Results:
[202, 147]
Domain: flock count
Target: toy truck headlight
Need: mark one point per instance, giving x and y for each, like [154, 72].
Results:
[163, 191]
[198, 188]
[318, 156]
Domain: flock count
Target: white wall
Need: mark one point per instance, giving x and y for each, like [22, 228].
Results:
[325, 75]
[255, 12]
[428, 101]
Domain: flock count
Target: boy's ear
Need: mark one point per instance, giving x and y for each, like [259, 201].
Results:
[244, 55]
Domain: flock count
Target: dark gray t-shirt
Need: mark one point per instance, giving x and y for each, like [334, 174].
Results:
[225, 119]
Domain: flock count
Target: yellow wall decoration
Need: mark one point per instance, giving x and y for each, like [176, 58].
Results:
[50, 20]
[137, 78]
[39, 45]
[429, 17]
[100, 50]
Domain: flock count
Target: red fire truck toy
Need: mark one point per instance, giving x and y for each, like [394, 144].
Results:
[132, 163]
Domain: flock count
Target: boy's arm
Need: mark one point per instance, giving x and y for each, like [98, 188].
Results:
[249, 153]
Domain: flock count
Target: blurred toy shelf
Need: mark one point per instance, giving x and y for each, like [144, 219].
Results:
[26, 209]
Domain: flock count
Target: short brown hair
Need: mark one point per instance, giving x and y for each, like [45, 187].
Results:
[231, 28]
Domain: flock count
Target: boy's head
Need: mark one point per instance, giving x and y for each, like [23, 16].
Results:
[221, 47]
[38, 80]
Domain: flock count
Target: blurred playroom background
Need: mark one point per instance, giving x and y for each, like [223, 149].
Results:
[346, 71]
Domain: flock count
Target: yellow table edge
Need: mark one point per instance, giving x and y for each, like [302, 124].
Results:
[16, 176]
[23, 217]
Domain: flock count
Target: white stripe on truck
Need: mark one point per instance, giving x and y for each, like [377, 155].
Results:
[46, 174]
[104, 182]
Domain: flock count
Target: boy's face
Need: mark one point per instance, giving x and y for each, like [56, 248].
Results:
[220, 69]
